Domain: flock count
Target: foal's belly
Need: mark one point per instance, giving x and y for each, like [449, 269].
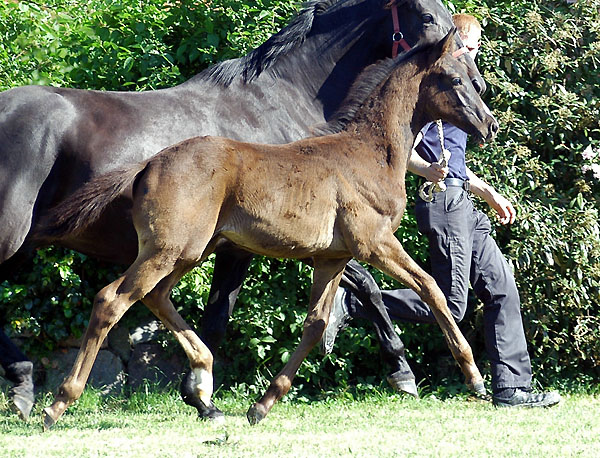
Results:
[286, 236]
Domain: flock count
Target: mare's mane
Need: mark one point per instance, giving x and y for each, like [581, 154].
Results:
[364, 85]
[266, 55]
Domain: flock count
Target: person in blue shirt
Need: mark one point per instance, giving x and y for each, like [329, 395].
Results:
[462, 253]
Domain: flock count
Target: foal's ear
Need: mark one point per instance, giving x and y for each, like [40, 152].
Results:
[444, 46]
[448, 41]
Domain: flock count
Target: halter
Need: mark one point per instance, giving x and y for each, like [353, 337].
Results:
[427, 189]
[397, 36]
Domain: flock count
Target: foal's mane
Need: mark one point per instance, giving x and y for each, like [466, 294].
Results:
[366, 82]
[255, 62]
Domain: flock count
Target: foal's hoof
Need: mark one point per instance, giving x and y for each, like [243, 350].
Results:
[478, 389]
[189, 396]
[211, 413]
[256, 413]
[49, 421]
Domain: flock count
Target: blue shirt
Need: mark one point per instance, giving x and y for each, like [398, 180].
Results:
[455, 140]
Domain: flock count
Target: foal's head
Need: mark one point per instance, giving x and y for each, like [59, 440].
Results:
[446, 92]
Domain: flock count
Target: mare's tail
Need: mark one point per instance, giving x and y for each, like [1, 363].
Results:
[87, 204]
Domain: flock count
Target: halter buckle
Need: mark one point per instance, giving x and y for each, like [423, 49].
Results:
[397, 36]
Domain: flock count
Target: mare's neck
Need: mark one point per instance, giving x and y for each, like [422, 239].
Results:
[319, 68]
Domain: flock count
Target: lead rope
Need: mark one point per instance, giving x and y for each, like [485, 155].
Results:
[427, 189]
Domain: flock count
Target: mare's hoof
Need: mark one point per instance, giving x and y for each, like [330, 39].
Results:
[403, 383]
[22, 405]
[256, 413]
[49, 421]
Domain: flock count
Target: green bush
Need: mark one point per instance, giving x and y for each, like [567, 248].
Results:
[540, 60]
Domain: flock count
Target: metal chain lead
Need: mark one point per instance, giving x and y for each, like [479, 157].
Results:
[427, 189]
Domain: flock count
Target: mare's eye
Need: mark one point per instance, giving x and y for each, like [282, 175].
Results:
[456, 81]
[427, 18]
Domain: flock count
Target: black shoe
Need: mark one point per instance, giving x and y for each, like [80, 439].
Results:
[338, 320]
[523, 398]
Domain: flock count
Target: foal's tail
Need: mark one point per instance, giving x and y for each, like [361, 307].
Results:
[87, 204]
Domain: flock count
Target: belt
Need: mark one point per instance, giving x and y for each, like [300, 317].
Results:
[458, 182]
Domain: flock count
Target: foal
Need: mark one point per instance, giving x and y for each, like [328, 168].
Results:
[329, 198]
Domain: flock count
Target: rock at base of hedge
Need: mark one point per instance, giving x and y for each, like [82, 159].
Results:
[119, 343]
[150, 361]
[108, 373]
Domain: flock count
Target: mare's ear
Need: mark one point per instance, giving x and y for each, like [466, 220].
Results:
[444, 46]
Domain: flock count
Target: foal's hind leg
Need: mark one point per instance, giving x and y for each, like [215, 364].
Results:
[326, 278]
[229, 273]
[198, 353]
[386, 254]
[109, 306]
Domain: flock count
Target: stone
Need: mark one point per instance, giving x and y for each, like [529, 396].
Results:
[108, 373]
[119, 343]
[156, 365]
[146, 332]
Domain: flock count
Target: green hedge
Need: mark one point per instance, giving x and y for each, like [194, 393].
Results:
[540, 60]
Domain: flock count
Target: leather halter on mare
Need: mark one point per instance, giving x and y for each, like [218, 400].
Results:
[427, 189]
[398, 37]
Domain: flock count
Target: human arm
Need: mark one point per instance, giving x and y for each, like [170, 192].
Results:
[433, 172]
[505, 209]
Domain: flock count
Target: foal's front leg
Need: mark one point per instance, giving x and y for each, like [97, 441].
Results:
[386, 254]
[326, 278]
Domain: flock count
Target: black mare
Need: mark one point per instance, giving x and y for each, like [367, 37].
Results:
[52, 140]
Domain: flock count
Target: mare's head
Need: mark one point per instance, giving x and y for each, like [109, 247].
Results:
[427, 22]
[446, 93]
[377, 29]
[324, 48]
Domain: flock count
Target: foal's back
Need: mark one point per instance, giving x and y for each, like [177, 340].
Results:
[275, 200]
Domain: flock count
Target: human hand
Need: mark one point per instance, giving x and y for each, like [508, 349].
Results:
[435, 172]
[506, 211]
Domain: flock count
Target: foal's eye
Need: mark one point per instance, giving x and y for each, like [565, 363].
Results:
[456, 81]
[427, 18]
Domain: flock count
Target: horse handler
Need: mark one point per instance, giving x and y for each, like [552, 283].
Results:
[461, 252]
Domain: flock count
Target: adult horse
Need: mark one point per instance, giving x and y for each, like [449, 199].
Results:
[52, 140]
[329, 198]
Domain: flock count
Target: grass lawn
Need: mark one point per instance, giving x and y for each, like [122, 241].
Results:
[379, 425]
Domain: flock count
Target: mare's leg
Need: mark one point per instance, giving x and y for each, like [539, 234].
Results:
[231, 265]
[386, 253]
[109, 306]
[19, 370]
[360, 282]
[201, 385]
[326, 278]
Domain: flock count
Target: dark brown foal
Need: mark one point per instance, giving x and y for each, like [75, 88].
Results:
[329, 198]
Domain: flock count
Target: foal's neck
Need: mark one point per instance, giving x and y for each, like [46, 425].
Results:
[386, 120]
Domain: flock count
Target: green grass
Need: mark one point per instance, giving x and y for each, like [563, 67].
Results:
[380, 424]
